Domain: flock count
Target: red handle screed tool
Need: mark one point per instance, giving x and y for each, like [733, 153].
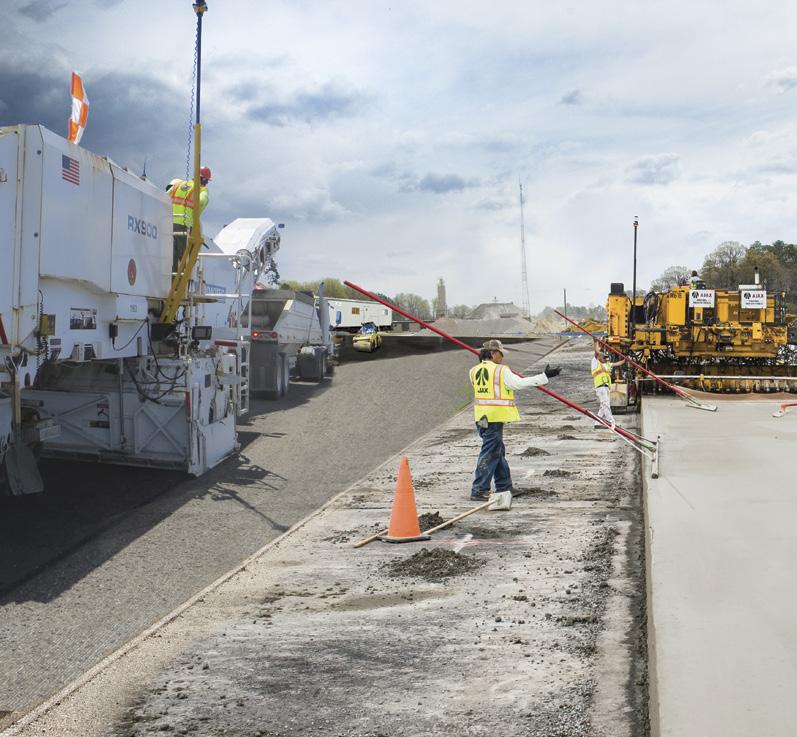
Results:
[635, 440]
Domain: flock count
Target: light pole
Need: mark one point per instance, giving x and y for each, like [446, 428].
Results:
[632, 331]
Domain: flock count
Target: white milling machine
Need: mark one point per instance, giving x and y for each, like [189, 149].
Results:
[86, 372]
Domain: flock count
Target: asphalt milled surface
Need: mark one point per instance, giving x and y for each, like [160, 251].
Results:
[109, 551]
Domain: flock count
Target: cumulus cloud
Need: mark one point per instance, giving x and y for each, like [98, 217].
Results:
[430, 182]
[493, 204]
[783, 79]
[443, 183]
[28, 96]
[311, 204]
[574, 97]
[453, 129]
[41, 10]
[305, 106]
[119, 99]
[656, 169]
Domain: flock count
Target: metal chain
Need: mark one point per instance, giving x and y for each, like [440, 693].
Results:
[191, 110]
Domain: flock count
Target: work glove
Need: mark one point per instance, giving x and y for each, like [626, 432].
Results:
[551, 372]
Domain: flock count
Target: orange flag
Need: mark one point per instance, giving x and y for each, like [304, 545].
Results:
[80, 109]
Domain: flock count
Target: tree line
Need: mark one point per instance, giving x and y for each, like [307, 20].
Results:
[732, 263]
[417, 305]
[336, 289]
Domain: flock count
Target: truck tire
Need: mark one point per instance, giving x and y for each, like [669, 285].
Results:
[278, 388]
[286, 376]
[322, 367]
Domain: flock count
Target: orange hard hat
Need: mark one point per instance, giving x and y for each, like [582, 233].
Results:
[204, 172]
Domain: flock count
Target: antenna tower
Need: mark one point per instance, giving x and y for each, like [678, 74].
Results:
[526, 307]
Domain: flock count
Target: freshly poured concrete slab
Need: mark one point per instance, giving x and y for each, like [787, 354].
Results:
[722, 537]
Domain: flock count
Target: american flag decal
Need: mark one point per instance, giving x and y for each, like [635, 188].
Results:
[70, 169]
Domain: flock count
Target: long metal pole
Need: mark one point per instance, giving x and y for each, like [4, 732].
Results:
[525, 279]
[619, 430]
[632, 329]
[199, 9]
[182, 278]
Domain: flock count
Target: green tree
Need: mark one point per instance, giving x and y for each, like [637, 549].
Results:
[774, 274]
[722, 268]
[333, 288]
[414, 304]
[460, 311]
[675, 276]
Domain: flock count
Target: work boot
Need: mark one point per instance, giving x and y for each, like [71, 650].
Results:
[480, 496]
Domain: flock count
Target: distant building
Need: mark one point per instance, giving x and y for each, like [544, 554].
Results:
[440, 307]
[496, 310]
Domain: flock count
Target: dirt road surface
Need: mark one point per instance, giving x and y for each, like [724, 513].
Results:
[541, 633]
[110, 550]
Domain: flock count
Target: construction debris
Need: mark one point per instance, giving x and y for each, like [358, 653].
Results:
[428, 520]
[436, 564]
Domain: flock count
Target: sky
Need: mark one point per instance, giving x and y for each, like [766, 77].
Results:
[391, 137]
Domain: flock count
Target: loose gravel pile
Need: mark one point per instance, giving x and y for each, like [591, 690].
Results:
[532, 452]
[429, 520]
[433, 565]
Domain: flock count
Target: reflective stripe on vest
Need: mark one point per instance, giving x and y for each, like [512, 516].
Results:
[183, 202]
[601, 376]
[491, 397]
[182, 196]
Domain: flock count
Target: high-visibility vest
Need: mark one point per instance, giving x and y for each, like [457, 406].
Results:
[602, 376]
[183, 202]
[491, 398]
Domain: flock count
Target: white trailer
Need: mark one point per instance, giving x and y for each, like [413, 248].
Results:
[351, 314]
[86, 248]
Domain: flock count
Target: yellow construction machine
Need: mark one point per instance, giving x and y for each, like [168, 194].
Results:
[719, 340]
[593, 326]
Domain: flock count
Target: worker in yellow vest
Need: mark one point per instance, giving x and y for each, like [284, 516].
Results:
[494, 387]
[602, 378]
[181, 192]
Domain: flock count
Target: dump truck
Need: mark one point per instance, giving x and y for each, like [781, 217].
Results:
[88, 370]
[289, 337]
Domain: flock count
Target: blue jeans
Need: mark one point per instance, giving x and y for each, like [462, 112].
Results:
[492, 460]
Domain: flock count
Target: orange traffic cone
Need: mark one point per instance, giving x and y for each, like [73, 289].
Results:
[404, 527]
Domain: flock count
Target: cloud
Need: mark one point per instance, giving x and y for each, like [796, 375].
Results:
[784, 79]
[386, 170]
[326, 103]
[444, 183]
[41, 10]
[33, 97]
[312, 204]
[430, 182]
[574, 97]
[485, 141]
[655, 169]
[777, 167]
[493, 205]
[121, 105]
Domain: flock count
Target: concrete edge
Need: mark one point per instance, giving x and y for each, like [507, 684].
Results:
[27, 718]
[653, 681]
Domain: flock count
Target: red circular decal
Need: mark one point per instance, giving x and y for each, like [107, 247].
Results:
[131, 272]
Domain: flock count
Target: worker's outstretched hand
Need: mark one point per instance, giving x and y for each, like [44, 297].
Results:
[551, 372]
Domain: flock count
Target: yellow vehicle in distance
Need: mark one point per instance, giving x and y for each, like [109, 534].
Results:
[368, 339]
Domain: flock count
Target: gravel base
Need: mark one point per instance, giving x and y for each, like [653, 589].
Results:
[546, 639]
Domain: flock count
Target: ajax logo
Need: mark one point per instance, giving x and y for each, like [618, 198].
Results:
[482, 377]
